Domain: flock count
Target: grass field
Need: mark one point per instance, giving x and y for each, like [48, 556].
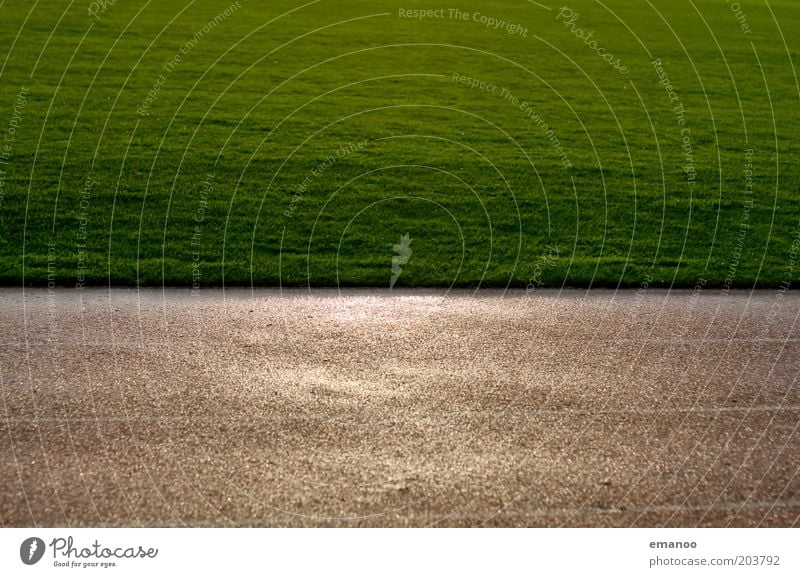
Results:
[515, 143]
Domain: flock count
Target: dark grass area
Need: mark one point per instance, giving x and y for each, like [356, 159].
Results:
[296, 145]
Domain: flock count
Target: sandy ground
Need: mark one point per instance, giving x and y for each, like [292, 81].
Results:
[369, 408]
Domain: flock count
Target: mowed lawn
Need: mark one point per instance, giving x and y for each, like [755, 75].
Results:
[516, 143]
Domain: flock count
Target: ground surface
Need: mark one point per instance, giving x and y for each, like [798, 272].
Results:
[289, 141]
[419, 408]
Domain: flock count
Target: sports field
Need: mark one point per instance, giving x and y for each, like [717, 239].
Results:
[619, 143]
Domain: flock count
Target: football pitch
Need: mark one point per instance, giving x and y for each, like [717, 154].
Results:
[411, 144]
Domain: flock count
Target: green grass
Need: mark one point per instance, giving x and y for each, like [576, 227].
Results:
[263, 98]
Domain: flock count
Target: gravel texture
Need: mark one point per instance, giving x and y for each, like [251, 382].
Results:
[154, 407]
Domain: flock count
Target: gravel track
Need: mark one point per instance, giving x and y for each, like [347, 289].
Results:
[411, 408]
